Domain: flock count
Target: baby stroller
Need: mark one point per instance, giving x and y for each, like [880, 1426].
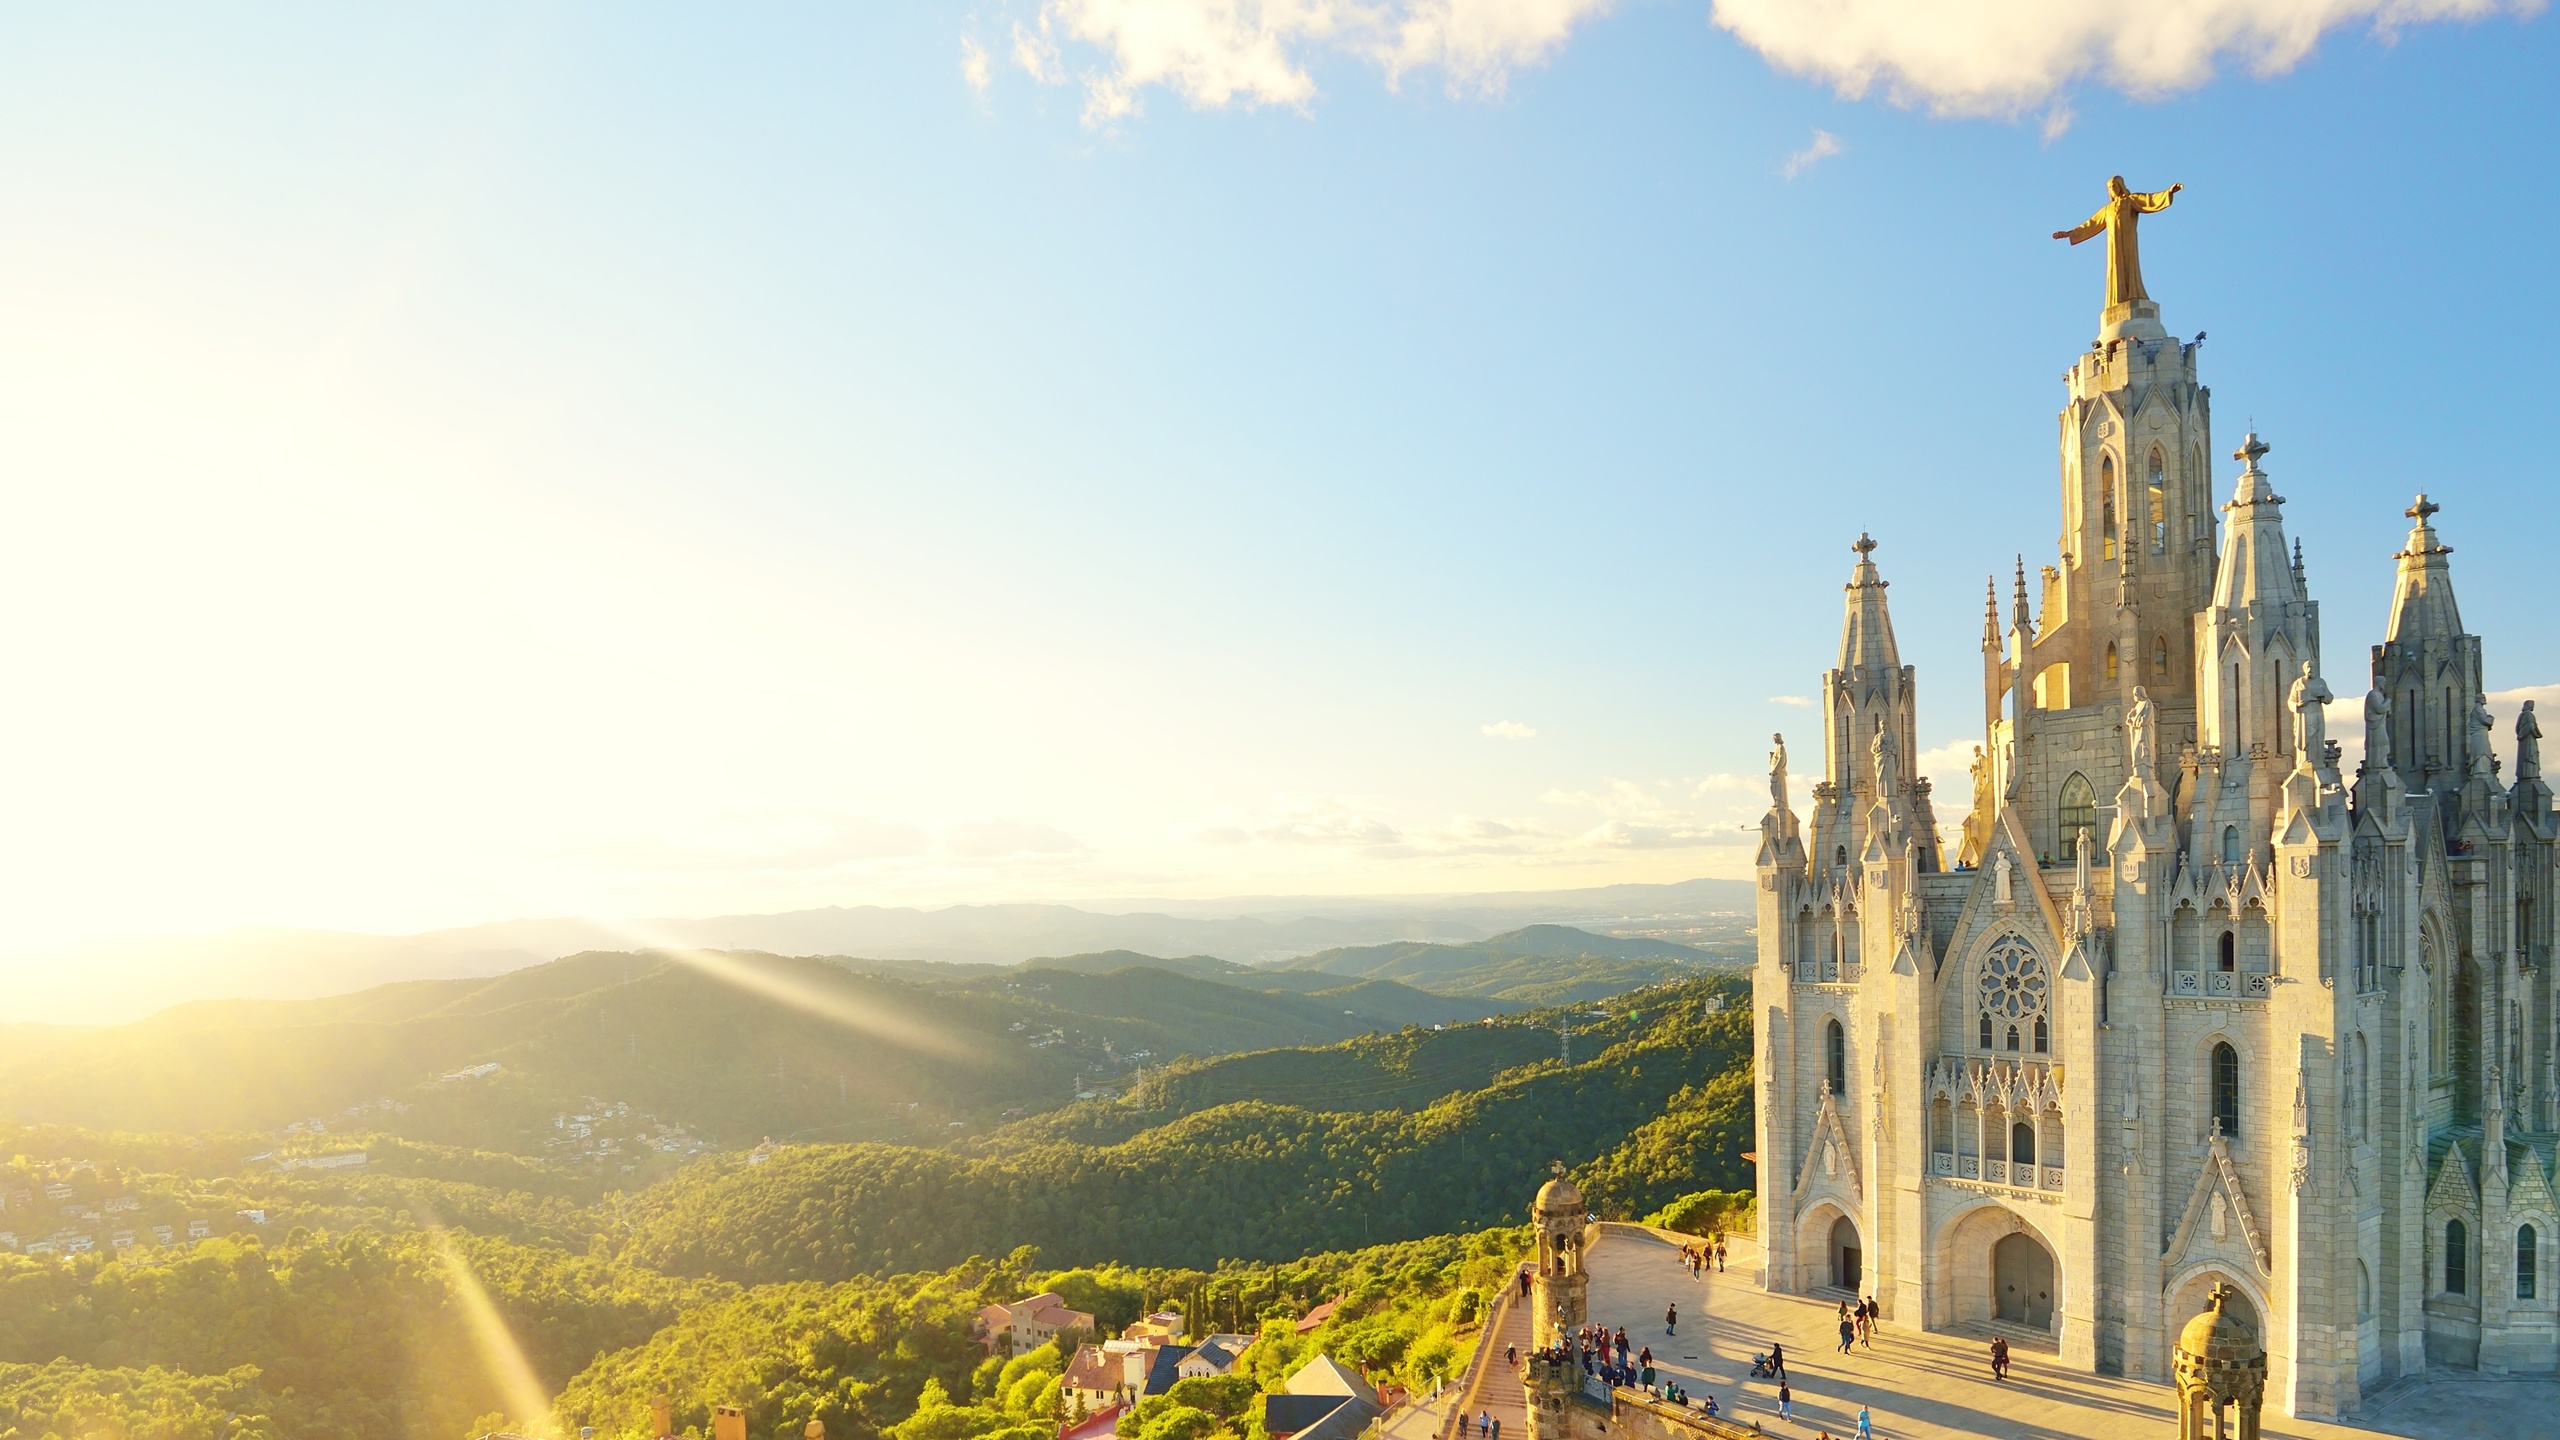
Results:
[1763, 1368]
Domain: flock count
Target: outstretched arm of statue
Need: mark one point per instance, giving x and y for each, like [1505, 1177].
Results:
[2093, 226]
[2156, 200]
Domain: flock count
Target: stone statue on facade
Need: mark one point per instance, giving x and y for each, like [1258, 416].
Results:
[2141, 739]
[2000, 869]
[2377, 731]
[1778, 773]
[2487, 725]
[2310, 724]
[2116, 220]
[2528, 744]
[1888, 763]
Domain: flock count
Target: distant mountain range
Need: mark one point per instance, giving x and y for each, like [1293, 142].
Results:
[109, 981]
[736, 1044]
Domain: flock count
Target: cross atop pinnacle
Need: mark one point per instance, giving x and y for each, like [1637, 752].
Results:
[1864, 545]
[2251, 449]
[2424, 510]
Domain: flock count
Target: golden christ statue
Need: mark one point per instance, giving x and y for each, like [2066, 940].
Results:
[2117, 218]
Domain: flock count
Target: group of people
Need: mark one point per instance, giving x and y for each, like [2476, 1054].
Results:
[1613, 1357]
[1858, 1324]
[1701, 1257]
[1999, 1358]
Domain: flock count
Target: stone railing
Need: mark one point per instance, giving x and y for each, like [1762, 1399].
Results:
[2023, 1176]
[2220, 984]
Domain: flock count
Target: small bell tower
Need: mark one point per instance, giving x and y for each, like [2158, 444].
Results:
[1561, 1291]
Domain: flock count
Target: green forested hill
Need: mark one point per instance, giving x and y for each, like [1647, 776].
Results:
[349, 1335]
[1246, 1179]
[341, 1315]
[1535, 965]
[730, 1047]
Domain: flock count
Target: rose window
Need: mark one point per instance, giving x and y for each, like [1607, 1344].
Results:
[2013, 981]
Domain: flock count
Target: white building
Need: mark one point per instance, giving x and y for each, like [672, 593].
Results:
[2187, 1005]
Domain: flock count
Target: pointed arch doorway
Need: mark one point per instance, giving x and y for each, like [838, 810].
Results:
[1848, 1262]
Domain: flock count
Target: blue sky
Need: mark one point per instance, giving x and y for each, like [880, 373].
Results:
[615, 460]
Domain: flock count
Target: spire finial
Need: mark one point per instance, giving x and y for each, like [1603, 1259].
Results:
[1865, 545]
[2250, 449]
[2423, 510]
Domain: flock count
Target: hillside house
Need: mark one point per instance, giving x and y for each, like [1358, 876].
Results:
[1094, 1379]
[1026, 1325]
[1162, 1328]
[1323, 1400]
[1103, 1424]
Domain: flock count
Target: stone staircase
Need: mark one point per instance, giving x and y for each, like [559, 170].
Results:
[1491, 1386]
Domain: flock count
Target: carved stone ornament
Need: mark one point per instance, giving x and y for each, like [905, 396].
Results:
[2301, 867]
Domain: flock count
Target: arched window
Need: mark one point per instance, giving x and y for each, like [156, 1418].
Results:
[2457, 1258]
[1986, 1030]
[1840, 856]
[2364, 1292]
[1835, 1051]
[2230, 844]
[2107, 507]
[2013, 1037]
[2159, 654]
[2524, 1262]
[2226, 1089]
[2111, 659]
[2044, 1039]
[2077, 813]
[2159, 504]
[2022, 1143]
[2230, 951]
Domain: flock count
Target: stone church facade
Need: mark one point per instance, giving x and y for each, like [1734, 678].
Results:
[2186, 1006]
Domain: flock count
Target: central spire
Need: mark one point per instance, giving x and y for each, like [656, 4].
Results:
[2422, 603]
[1866, 635]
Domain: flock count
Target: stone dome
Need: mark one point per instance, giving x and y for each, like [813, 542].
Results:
[1558, 1194]
[2219, 1337]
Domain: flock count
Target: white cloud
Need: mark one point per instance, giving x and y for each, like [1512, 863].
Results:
[1510, 730]
[1823, 147]
[973, 66]
[1800, 701]
[1478, 43]
[1216, 53]
[1037, 56]
[2002, 57]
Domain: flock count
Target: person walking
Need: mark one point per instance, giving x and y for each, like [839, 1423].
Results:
[1999, 1358]
[1511, 1356]
[1671, 1319]
[1786, 1402]
[1719, 1257]
[1497, 1427]
[1866, 1430]
[1848, 1330]
[1778, 1360]
[1484, 1424]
